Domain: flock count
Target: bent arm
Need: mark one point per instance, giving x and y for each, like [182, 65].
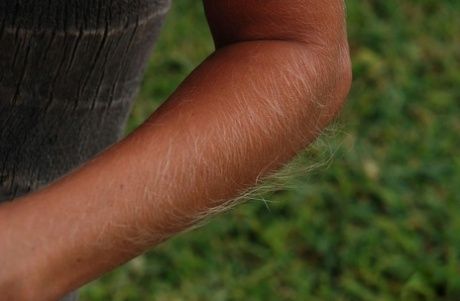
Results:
[279, 75]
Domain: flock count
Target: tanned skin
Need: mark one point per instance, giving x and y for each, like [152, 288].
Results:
[280, 73]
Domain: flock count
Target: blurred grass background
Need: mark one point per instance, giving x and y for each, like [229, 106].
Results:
[381, 221]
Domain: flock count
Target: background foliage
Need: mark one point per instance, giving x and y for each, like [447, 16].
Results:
[380, 221]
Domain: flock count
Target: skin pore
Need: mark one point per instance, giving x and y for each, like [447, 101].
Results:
[279, 75]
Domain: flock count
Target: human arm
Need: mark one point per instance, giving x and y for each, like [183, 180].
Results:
[278, 76]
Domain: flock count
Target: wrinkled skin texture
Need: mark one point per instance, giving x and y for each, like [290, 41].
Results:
[279, 75]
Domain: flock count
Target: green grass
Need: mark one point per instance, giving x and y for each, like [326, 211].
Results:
[381, 221]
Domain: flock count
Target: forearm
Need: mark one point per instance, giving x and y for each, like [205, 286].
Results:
[244, 113]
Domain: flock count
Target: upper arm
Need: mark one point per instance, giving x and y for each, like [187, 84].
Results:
[316, 22]
[316, 27]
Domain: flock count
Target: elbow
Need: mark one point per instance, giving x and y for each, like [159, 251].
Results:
[327, 54]
[339, 72]
[327, 74]
[336, 97]
[342, 79]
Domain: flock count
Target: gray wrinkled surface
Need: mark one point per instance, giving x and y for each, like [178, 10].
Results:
[69, 71]
[65, 95]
